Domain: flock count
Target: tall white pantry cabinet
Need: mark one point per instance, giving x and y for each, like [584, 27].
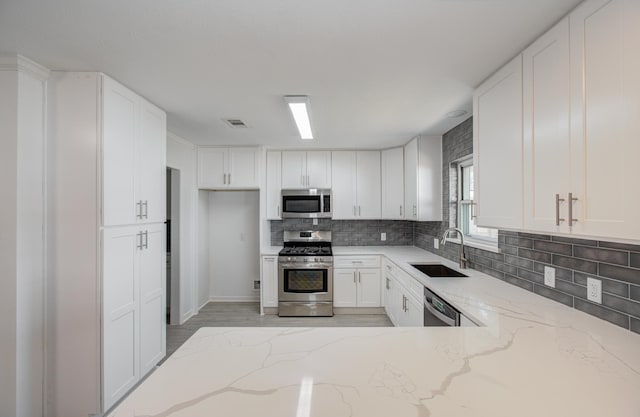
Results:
[106, 237]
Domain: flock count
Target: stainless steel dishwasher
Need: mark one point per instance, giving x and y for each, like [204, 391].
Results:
[438, 312]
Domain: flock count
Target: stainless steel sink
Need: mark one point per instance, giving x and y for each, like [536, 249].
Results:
[438, 271]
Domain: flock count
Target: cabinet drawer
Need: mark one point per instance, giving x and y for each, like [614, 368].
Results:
[356, 262]
[391, 269]
[416, 289]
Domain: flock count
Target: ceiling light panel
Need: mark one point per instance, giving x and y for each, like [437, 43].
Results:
[299, 107]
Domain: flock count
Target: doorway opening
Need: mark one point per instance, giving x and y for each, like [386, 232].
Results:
[172, 284]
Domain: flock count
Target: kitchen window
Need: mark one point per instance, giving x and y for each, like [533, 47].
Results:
[483, 237]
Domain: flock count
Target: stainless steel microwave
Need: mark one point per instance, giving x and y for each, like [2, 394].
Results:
[312, 203]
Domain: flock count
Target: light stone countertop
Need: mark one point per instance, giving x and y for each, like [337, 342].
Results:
[534, 357]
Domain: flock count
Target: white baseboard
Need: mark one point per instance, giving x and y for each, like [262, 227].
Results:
[234, 299]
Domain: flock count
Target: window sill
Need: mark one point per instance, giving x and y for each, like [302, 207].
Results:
[478, 244]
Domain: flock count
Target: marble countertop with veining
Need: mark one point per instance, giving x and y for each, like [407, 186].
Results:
[533, 357]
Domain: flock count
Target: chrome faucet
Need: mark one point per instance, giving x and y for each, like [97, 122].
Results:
[443, 241]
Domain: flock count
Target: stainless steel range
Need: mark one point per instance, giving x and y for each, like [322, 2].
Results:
[305, 274]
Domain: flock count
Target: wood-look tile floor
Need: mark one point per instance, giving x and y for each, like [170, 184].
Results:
[248, 315]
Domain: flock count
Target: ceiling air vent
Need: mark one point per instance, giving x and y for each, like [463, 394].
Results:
[235, 123]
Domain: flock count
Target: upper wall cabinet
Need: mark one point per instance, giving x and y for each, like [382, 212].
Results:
[605, 132]
[133, 146]
[302, 169]
[392, 161]
[356, 191]
[547, 144]
[497, 148]
[273, 184]
[228, 168]
[423, 179]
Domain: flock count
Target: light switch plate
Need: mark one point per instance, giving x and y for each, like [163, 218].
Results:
[383, 236]
[550, 276]
[594, 290]
[315, 222]
[436, 243]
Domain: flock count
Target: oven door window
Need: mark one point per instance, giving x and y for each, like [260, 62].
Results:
[305, 280]
[301, 204]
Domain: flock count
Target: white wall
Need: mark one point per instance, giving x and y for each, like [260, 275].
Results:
[234, 245]
[181, 155]
[203, 247]
[22, 247]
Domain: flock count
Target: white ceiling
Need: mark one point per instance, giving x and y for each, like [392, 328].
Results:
[378, 72]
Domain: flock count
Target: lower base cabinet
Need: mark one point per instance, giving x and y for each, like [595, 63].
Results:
[133, 306]
[356, 281]
[402, 306]
[269, 281]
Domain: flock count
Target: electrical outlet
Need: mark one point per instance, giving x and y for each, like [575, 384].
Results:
[256, 284]
[315, 222]
[549, 276]
[594, 290]
[383, 236]
[436, 243]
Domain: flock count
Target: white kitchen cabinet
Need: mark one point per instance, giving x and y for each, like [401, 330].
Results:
[411, 180]
[356, 281]
[357, 189]
[423, 179]
[345, 293]
[228, 168]
[133, 299]
[547, 141]
[133, 146]
[402, 305]
[310, 169]
[107, 213]
[269, 281]
[605, 103]
[392, 170]
[273, 191]
[497, 148]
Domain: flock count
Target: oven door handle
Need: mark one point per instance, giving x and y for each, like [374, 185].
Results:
[300, 265]
[448, 320]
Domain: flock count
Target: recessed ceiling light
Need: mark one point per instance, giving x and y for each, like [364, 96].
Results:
[456, 113]
[299, 107]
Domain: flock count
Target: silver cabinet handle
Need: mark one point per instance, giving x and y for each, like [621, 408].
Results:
[388, 284]
[570, 202]
[359, 211]
[401, 210]
[146, 209]
[146, 239]
[558, 200]
[359, 278]
[415, 210]
[404, 303]
[307, 180]
[354, 277]
[139, 209]
[139, 239]
[224, 178]
[229, 178]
